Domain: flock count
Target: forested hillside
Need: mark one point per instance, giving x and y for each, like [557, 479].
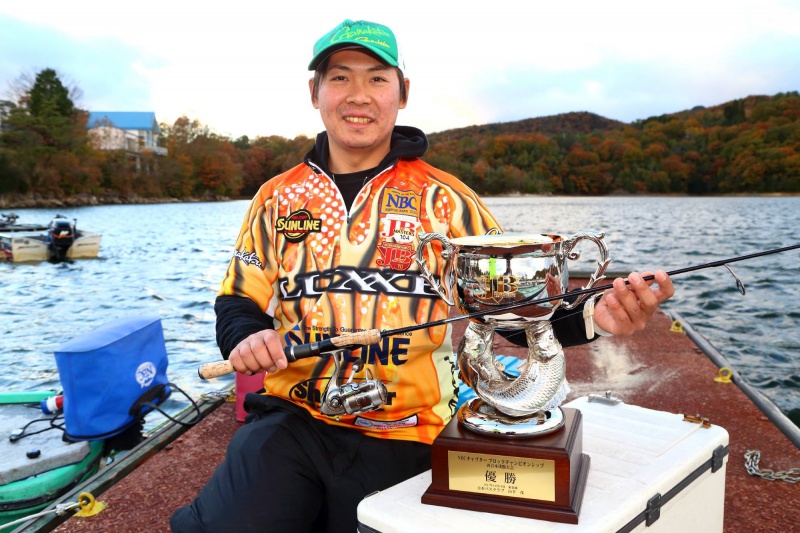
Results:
[751, 145]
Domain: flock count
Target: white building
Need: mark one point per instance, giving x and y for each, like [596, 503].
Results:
[132, 131]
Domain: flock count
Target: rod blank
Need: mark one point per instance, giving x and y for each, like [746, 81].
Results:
[365, 338]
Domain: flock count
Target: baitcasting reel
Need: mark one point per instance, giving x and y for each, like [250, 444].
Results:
[352, 398]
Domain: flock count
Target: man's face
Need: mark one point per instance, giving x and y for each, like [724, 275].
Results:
[358, 100]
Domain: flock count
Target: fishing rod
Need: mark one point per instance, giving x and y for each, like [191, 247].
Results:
[349, 341]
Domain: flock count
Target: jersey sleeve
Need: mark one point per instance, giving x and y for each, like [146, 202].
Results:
[253, 269]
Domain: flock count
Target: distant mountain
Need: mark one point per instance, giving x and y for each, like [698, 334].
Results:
[578, 122]
[570, 123]
[738, 110]
[747, 145]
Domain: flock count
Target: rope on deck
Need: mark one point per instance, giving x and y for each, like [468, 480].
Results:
[86, 506]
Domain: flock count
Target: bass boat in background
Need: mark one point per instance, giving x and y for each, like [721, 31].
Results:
[58, 241]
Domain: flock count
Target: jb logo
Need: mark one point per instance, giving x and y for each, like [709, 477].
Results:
[498, 288]
[400, 228]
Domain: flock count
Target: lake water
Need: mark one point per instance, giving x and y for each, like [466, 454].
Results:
[168, 260]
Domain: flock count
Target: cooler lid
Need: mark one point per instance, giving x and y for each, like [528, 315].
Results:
[106, 334]
[54, 451]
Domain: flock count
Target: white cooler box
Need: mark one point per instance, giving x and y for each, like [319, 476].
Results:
[650, 470]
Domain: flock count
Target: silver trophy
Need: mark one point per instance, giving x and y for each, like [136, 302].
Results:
[491, 272]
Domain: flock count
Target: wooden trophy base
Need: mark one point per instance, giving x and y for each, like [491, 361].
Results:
[541, 477]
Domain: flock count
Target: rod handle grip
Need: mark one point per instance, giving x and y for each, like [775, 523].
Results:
[358, 338]
[344, 341]
[293, 353]
[215, 369]
[221, 368]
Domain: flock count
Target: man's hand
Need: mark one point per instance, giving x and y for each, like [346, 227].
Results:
[627, 308]
[260, 351]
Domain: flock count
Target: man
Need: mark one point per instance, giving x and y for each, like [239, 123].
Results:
[326, 248]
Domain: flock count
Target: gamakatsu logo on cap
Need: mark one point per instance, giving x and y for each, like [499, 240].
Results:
[368, 34]
[296, 226]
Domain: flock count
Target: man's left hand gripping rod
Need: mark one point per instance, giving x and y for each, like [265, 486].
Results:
[301, 351]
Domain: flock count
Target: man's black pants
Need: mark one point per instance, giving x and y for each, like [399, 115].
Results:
[286, 471]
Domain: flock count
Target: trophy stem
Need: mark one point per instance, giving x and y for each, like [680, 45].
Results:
[523, 405]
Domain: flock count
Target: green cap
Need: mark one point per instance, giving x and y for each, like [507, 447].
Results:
[376, 38]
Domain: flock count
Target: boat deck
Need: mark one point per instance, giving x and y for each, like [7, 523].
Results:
[657, 369]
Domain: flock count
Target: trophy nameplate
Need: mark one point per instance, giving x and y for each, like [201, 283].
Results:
[542, 477]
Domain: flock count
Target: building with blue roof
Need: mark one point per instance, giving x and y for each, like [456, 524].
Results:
[132, 131]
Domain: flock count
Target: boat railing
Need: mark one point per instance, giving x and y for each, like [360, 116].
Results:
[772, 411]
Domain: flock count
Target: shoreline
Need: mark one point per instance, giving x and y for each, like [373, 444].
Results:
[38, 201]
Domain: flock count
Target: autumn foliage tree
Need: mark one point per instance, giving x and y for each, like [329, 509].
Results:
[44, 141]
[204, 162]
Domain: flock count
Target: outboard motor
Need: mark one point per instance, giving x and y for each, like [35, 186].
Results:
[60, 235]
[8, 220]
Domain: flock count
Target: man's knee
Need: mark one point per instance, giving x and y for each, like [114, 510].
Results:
[265, 478]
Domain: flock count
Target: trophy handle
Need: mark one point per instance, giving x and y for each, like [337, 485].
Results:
[602, 264]
[445, 292]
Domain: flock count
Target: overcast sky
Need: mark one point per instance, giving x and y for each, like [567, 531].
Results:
[240, 66]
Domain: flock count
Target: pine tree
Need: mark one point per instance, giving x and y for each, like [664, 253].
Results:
[48, 96]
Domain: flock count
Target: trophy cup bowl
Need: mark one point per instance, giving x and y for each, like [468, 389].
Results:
[490, 272]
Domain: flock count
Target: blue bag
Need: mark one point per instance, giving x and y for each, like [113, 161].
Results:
[112, 376]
